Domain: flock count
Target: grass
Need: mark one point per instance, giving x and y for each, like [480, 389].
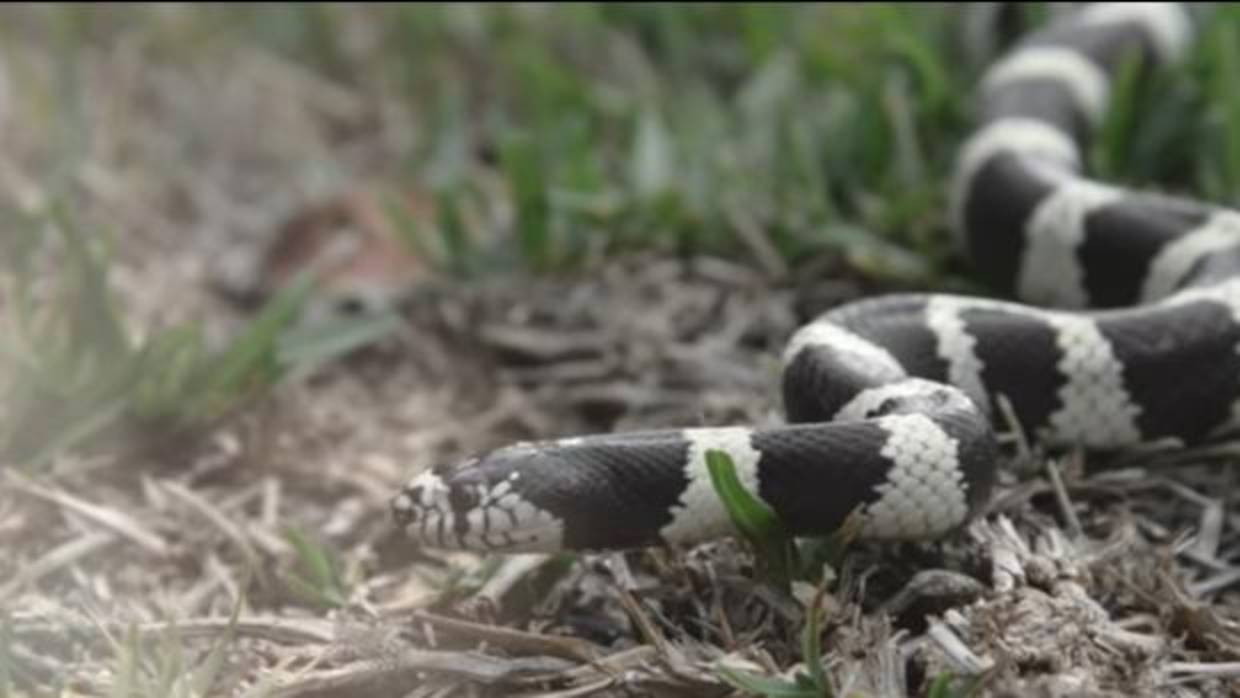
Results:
[159, 666]
[782, 559]
[675, 127]
[320, 580]
[780, 563]
[74, 377]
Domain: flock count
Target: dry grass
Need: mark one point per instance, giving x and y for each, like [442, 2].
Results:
[254, 556]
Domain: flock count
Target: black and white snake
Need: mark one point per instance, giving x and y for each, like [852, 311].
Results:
[891, 402]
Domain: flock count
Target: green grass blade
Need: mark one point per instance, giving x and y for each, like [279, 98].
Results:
[653, 156]
[1112, 145]
[71, 435]
[525, 173]
[125, 672]
[754, 519]
[1226, 94]
[322, 583]
[452, 231]
[945, 686]
[251, 359]
[829, 551]
[766, 686]
[811, 643]
[309, 347]
[96, 323]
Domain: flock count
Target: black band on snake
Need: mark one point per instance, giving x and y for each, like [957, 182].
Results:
[891, 402]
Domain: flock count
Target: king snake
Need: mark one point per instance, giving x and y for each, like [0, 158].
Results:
[892, 402]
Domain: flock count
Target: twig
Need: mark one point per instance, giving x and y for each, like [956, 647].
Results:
[271, 502]
[403, 671]
[514, 640]
[933, 584]
[278, 630]
[1194, 671]
[751, 233]
[1210, 533]
[956, 651]
[645, 626]
[119, 522]
[1216, 583]
[541, 344]
[611, 665]
[216, 518]
[1065, 502]
[60, 556]
[1023, 449]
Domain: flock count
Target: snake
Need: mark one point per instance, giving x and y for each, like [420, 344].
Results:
[1115, 322]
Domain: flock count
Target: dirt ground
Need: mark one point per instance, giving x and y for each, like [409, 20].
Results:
[1114, 582]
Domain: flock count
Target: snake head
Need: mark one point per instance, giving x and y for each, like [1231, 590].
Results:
[587, 493]
[481, 504]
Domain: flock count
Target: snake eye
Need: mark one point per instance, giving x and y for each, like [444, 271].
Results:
[403, 509]
[350, 305]
[463, 498]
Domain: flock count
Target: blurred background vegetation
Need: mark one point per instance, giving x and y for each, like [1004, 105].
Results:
[684, 125]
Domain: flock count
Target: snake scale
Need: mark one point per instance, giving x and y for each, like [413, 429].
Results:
[1123, 327]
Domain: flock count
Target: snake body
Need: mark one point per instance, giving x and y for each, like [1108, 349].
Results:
[1124, 328]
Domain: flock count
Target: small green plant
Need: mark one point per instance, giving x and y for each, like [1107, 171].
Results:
[775, 549]
[947, 685]
[811, 683]
[781, 561]
[320, 580]
[781, 558]
[1112, 147]
[1224, 94]
[802, 687]
[158, 666]
[73, 376]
